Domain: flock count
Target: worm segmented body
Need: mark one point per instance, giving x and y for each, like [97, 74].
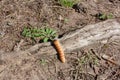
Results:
[59, 50]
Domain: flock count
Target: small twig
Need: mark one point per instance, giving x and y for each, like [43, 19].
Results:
[95, 54]
[105, 57]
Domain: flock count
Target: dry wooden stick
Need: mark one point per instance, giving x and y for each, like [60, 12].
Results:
[95, 54]
[105, 57]
[59, 50]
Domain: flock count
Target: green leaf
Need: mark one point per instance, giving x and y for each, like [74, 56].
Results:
[37, 35]
[102, 16]
[43, 34]
[45, 39]
[47, 30]
[43, 31]
[67, 3]
[43, 61]
[53, 32]
[110, 16]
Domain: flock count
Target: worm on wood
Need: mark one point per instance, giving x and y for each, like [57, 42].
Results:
[59, 50]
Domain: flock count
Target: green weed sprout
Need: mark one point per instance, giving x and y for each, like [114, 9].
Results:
[67, 3]
[48, 34]
[43, 62]
[45, 34]
[103, 16]
[89, 58]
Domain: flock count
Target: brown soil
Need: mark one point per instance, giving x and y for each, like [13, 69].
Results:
[16, 14]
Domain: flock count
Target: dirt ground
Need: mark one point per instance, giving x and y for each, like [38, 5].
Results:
[16, 14]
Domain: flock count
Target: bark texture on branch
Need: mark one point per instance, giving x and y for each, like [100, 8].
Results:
[91, 34]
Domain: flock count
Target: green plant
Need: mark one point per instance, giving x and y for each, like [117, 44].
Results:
[43, 62]
[88, 58]
[103, 16]
[45, 34]
[110, 16]
[48, 34]
[67, 3]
